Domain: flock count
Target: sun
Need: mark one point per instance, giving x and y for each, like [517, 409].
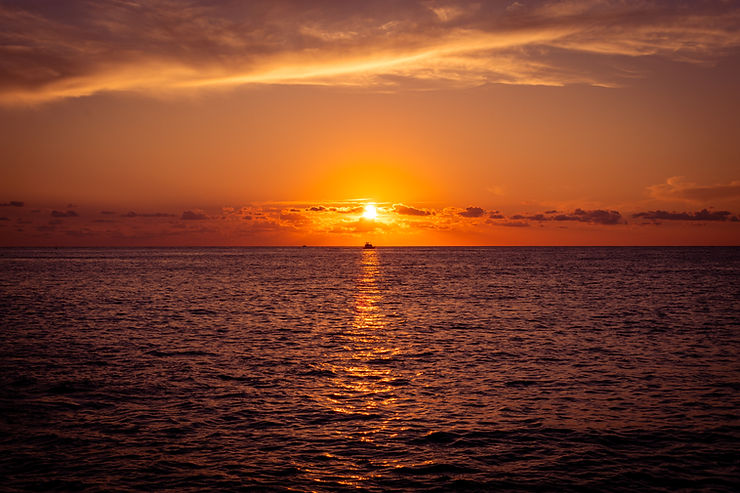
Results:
[370, 212]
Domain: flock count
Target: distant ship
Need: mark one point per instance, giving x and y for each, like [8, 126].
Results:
[368, 245]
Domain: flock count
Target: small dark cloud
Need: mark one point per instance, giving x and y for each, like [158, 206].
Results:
[702, 215]
[4, 219]
[69, 213]
[598, 216]
[247, 218]
[533, 217]
[12, 203]
[514, 224]
[317, 208]
[193, 216]
[496, 215]
[472, 212]
[154, 214]
[410, 211]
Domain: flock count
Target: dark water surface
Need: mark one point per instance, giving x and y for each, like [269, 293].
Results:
[327, 369]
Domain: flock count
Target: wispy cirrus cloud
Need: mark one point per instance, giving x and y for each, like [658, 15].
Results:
[702, 215]
[677, 188]
[53, 50]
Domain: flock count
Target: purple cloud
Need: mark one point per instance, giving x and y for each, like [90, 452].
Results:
[598, 216]
[702, 215]
[472, 212]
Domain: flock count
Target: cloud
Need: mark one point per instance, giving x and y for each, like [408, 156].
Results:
[702, 215]
[514, 224]
[52, 51]
[676, 188]
[12, 203]
[361, 225]
[193, 216]
[294, 218]
[347, 210]
[154, 214]
[533, 217]
[472, 212]
[406, 210]
[69, 213]
[597, 216]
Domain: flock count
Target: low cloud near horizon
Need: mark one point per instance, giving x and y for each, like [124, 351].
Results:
[276, 223]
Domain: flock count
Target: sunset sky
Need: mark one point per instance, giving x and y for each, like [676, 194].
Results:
[163, 122]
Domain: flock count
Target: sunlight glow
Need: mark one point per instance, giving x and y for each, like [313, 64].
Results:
[370, 212]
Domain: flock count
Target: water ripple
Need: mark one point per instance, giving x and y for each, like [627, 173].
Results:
[436, 369]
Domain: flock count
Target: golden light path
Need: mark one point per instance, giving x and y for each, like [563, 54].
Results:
[362, 392]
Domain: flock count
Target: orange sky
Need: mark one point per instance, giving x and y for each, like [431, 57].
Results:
[274, 123]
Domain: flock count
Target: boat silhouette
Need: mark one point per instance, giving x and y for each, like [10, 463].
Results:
[368, 245]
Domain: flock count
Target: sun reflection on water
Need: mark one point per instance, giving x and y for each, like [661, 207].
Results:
[361, 395]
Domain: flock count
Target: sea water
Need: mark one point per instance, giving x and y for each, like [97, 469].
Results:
[343, 369]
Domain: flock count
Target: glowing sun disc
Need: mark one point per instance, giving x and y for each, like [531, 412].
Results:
[370, 212]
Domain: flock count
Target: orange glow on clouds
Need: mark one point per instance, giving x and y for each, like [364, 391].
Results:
[334, 123]
[355, 221]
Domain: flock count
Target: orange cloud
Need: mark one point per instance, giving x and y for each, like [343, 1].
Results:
[410, 211]
[331, 224]
[676, 188]
[51, 51]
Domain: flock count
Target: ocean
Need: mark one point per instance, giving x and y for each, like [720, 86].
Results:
[393, 369]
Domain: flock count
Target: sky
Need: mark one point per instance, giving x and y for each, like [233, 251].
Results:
[209, 123]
